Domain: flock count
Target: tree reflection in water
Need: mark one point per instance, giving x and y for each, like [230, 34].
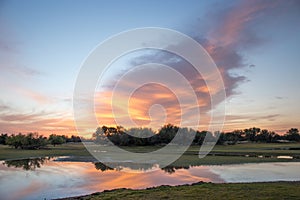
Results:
[102, 167]
[33, 163]
[27, 164]
[171, 169]
[135, 166]
[118, 166]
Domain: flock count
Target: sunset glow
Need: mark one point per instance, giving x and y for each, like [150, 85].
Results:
[254, 44]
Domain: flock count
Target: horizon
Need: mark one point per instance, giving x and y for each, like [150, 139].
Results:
[253, 43]
[155, 131]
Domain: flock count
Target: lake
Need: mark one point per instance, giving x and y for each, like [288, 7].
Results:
[46, 178]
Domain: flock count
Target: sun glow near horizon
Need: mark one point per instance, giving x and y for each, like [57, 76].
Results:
[41, 53]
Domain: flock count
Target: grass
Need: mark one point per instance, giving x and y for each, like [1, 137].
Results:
[9, 153]
[234, 154]
[231, 154]
[270, 190]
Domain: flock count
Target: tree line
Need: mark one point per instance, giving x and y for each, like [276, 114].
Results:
[146, 136]
[35, 141]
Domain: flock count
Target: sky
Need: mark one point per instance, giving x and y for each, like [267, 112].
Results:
[43, 45]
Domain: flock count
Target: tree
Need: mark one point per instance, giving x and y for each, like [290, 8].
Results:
[99, 135]
[293, 135]
[29, 141]
[167, 133]
[184, 136]
[199, 138]
[15, 140]
[3, 138]
[266, 136]
[251, 133]
[56, 139]
[139, 136]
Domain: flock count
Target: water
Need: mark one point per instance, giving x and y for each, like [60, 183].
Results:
[46, 178]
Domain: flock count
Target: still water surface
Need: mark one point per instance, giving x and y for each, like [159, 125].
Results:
[49, 178]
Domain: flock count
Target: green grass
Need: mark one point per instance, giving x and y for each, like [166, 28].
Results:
[271, 190]
[9, 153]
[234, 154]
[222, 160]
[231, 154]
[263, 148]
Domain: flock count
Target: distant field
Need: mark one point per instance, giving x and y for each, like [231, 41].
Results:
[231, 154]
[275, 190]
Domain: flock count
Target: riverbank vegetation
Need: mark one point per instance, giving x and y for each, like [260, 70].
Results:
[147, 137]
[35, 141]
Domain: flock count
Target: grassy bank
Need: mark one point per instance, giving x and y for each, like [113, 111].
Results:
[271, 190]
[9, 153]
[231, 154]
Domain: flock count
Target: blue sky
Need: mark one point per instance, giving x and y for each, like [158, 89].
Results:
[43, 44]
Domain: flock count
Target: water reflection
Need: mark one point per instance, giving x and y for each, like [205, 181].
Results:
[62, 179]
[126, 166]
[137, 167]
[172, 169]
[34, 163]
[27, 164]
[102, 167]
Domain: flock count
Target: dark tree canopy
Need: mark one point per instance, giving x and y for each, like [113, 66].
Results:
[145, 136]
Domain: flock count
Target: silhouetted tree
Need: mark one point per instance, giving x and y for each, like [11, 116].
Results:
[144, 136]
[167, 133]
[199, 137]
[3, 138]
[29, 141]
[251, 133]
[293, 135]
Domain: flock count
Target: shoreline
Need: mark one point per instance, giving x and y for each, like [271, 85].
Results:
[272, 190]
[220, 155]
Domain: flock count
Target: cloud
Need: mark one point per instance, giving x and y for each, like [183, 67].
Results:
[9, 52]
[271, 117]
[10, 66]
[27, 93]
[228, 33]
[280, 97]
[259, 120]
[26, 71]
[3, 107]
[139, 106]
[36, 96]
[232, 25]
[43, 122]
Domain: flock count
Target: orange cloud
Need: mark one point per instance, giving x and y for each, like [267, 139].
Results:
[141, 108]
[234, 23]
[43, 123]
[137, 107]
[42, 99]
